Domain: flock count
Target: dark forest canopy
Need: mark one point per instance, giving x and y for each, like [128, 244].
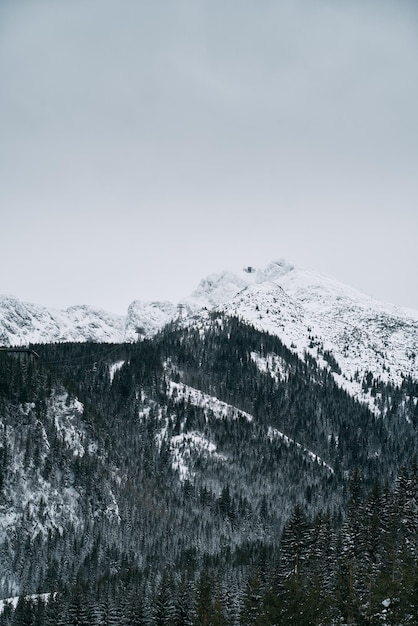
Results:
[139, 501]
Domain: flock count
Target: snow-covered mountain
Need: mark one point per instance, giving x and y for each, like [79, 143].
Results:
[213, 291]
[117, 461]
[314, 313]
[147, 318]
[22, 323]
[310, 312]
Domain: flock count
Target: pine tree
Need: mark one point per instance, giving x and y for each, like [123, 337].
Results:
[6, 616]
[24, 614]
[165, 608]
[349, 584]
[185, 612]
[252, 602]
[294, 547]
[205, 595]
[371, 561]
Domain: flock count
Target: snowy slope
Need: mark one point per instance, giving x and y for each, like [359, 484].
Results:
[214, 290]
[309, 311]
[314, 313]
[188, 445]
[21, 323]
[147, 318]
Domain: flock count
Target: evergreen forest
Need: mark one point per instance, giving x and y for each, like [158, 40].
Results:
[205, 476]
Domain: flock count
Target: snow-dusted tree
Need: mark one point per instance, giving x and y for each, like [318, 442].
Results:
[252, 612]
[295, 546]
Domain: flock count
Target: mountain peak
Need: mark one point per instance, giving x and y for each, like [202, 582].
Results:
[308, 310]
[215, 290]
[274, 271]
[147, 318]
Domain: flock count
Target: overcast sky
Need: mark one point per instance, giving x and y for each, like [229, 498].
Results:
[146, 144]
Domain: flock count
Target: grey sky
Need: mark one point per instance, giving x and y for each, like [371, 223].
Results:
[144, 145]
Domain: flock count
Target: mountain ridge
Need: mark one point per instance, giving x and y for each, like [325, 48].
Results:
[192, 448]
[312, 313]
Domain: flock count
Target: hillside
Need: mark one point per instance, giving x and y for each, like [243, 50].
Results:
[137, 476]
[308, 311]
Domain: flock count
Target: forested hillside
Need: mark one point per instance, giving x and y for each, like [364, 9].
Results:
[205, 476]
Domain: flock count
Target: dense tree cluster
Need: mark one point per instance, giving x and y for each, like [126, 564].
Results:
[361, 569]
[295, 517]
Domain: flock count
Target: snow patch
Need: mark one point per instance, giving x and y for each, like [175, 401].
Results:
[271, 364]
[67, 413]
[115, 367]
[220, 409]
[184, 445]
[15, 599]
[273, 433]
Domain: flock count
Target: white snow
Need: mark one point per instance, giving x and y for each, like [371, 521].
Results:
[66, 413]
[220, 409]
[15, 599]
[273, 433]
[144, 319]
[114, 368]
[44, 502]
[271, 364]
[182, 447]
[214, 290]
[313, 313]
[310, 312]
[22, 323]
